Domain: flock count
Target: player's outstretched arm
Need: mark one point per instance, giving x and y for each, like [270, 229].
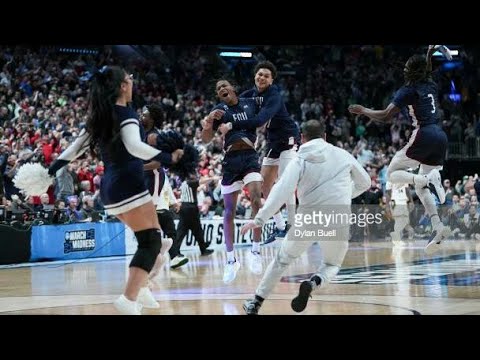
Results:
[378, 115]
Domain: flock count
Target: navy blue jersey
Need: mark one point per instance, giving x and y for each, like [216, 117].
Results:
[421, 101]
[281, 128]
[144, 135]
[150, 174]
[121, 154]
[244, 110]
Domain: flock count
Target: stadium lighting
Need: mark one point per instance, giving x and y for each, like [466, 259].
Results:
[453, 52]
[78, 51]
[246, 54]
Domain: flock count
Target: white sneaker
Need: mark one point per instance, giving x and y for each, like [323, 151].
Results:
[435, 179]
[127, 307]
[178, 261]
[254, 260]
[146, 299]
[230, 271]
[438, 235]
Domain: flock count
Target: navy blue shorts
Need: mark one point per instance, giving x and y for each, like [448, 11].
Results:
[237, 164]
[429, 145]
[275, 148]
[123, 188]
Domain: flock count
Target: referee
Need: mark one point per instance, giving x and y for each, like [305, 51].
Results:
[190, 216]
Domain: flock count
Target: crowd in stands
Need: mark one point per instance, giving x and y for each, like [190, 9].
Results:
[43, 96]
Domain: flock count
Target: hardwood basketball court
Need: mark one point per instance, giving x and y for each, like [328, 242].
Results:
[375, 279]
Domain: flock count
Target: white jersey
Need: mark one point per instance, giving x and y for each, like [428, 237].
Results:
[399, 193]
[166, 197]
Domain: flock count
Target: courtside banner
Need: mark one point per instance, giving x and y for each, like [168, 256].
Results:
[77, 241]
[213, 233]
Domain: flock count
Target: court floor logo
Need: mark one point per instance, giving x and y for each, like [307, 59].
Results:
[79, 240]
[454, 270]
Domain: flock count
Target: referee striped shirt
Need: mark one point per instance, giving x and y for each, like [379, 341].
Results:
[189, 191]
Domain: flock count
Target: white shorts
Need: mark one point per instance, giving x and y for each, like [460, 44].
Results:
[238, 185]
[282, 161]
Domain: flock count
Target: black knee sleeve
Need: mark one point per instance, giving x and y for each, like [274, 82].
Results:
[149, 245]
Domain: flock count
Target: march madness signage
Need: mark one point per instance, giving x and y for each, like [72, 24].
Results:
[79, 240]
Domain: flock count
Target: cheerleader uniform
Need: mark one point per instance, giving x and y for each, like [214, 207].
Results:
[123, 185]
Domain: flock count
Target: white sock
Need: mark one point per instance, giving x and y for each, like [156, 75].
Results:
[279, 221]
[427, 199]
[255, 247]
[230, 256]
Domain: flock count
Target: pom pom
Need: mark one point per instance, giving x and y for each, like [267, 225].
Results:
[32, 179]
[188, 163]
[169, 141]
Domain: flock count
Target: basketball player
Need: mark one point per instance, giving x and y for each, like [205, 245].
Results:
[282, 136]
[160, 189]
[398, 196]
[240, 168]
[427, 145]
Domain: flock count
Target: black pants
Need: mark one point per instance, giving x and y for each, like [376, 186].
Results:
[165, 218]
[189, 220]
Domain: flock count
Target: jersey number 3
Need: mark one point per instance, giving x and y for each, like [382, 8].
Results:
[433, 102]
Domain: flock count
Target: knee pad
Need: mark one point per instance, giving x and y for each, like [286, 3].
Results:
[149, 245]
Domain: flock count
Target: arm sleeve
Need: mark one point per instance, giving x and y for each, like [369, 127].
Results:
[360, 179]
[79, 146]
[280, 193]
[268, 110]
[129, 131]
